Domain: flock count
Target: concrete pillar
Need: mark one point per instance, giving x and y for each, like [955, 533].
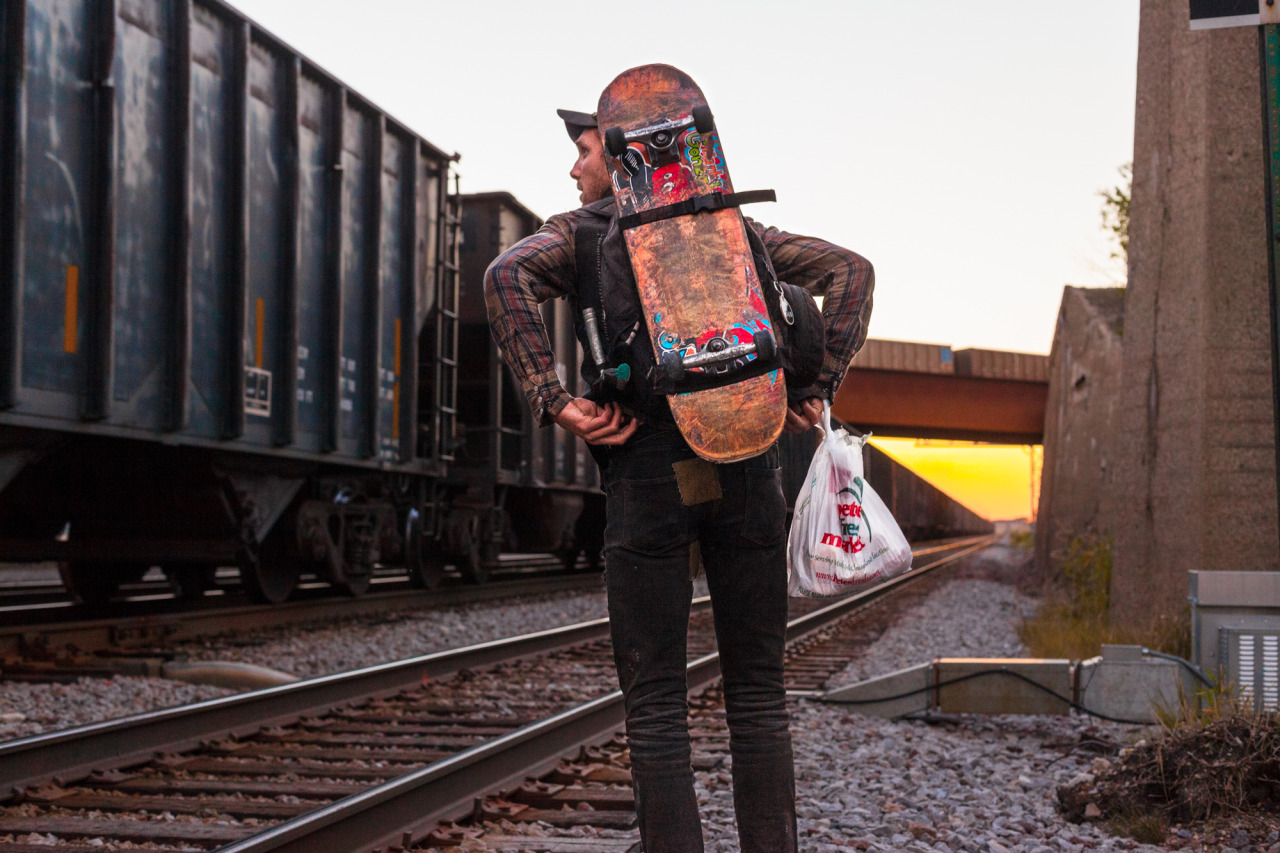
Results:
[1197, 485]
[1077, 482]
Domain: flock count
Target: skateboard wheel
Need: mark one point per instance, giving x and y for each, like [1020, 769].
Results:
[672, 365]
[703, 120]
[765, 346]
[614, 142]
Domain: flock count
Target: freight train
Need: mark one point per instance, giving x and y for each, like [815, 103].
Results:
[241, 324]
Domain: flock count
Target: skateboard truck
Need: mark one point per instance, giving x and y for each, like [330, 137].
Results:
[658, 137]
[718, 355]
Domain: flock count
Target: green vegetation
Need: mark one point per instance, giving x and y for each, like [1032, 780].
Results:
[1211, 771]
[1074, 618]
[1142, 825]
[1115, 211]
[1207, 704]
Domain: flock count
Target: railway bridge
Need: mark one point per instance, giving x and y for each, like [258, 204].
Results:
[915, 390]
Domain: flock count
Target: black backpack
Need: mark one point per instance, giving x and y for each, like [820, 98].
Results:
[607, 289]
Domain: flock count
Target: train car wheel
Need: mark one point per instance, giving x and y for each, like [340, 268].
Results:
[190, 582]
[568, 557]
[92, 584]
[423, 562]
[356, 580]
[471, 566]
[427, 571]
[272, 576]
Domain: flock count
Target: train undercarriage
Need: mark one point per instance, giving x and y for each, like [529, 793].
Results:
[107, 511]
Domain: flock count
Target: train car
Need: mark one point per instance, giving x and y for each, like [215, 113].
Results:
[228, 299]
[513, 486]
[922, 510]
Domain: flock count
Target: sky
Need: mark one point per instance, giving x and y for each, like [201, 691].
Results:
[959, 147]
[996, 482]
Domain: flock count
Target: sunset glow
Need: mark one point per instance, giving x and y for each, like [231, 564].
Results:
[995, 481]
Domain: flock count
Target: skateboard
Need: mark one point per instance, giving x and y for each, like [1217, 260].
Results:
[703, 301]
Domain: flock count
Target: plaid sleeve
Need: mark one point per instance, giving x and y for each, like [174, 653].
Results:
[538, 268]
[843, 278]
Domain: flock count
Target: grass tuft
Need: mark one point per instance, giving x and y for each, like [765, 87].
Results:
[1144, 825]
[1024, 539]
[1073, 619]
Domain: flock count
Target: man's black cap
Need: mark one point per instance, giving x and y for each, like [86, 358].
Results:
[576, 122]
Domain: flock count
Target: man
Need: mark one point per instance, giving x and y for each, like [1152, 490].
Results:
[667, 510]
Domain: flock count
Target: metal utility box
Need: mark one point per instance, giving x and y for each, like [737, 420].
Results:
[1251, 658]
[1235, 631]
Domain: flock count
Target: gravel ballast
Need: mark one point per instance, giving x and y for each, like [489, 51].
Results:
[357, 643]
[975, 784]
[979, 784]
[30, 709]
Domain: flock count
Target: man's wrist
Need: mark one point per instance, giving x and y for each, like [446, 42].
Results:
[817, 389]
[553, 405]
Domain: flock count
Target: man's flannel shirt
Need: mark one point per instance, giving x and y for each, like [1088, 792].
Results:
[542, 267]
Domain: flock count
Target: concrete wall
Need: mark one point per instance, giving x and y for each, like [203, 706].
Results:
[1078, 479]
[1197, 483]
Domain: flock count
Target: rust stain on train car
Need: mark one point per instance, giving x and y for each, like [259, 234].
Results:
[71, 312]
[395, 390]
[260, 312]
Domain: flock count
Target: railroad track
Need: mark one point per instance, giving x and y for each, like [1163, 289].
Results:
[353, 761]
[47, 634]
[38, 586]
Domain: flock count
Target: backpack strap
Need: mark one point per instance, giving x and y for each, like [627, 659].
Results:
[588, 238]
[710, 201]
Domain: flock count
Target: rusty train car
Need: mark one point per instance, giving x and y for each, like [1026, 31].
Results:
[923, 511]
[241, 322]
[524, 488]
[228, 298]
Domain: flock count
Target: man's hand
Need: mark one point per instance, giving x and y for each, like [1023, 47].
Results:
[804, 415]
[599, 425]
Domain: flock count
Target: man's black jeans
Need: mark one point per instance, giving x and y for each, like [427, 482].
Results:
[736, 513]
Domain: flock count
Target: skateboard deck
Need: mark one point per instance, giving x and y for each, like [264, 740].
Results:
[695, 274]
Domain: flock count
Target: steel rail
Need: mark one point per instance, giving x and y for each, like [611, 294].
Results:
[810, 623]
[201, 620]
[73, 753]
[446, 790]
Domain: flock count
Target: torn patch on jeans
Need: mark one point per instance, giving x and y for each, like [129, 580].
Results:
[698, 480]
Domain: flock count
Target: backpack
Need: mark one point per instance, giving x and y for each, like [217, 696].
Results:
[607, 289]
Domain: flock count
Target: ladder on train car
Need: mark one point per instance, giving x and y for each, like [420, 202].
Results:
[446, 320]
[508, 444]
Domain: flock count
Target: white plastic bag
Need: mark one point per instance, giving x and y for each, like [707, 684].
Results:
[843, 538]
